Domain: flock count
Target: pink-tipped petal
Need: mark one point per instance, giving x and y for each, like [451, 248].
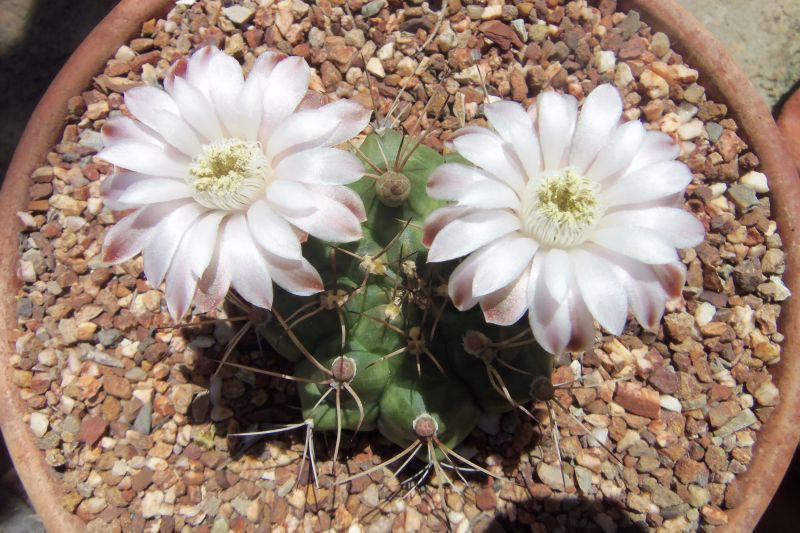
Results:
[198, 69]
[145, 191]
[469, 232]
[345, 196]
[598, 119]
[514, 125]
[272, 232]
[459, 286]
[147, 159]
[489, 194]
[558, 272]
[177, 133]
[656, 147]
[678, 227]
[600, 290]
[331, 220]
[159, 251]
[655, 181]
[296, 276]
[672, 277]
[249, 271]
[485, 149]
[451, 180]
[196, 109]
[291, 198]
[131, 234]
[146, 103]
[213, 286]
[325, 166]
[181, 284]
[113, 187]
[226, 83]
[204, 237]
[641, 244]
[303, 130]
[283, 91]
[618, 153]
[441, 218]
[125, 130]
[549, 318]
[506, 306]
[351, 116]
[556, 120]
[511, 256]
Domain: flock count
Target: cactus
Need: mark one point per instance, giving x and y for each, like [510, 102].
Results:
[382, 347]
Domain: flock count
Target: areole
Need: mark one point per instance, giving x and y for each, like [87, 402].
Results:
[721, 77]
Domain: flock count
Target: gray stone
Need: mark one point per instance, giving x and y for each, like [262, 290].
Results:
[743, 420]
[630, 25]
[238, 14]
[714, 131]
[743, 196]
[371, 9]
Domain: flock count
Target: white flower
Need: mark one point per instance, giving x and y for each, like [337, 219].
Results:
[567, 217]
[227, 177]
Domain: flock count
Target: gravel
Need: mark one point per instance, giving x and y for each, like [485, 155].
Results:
[119, 400]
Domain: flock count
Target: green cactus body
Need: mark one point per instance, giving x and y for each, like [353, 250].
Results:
[376, 319]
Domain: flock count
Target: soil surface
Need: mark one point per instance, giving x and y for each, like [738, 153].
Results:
[748, 23]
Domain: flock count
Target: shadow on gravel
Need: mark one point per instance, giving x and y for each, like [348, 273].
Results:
[55, 28]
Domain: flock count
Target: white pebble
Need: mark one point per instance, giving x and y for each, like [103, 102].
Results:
[718, 189]
[39, 423]
[375, 67]
[606, 60]
[670, 403]
[756, 181]
[704, 313]
[386, 51]
[691, 130]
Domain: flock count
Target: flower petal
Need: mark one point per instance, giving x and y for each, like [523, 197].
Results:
[641, 244]
[181, 284]
[557, 273]
[146, 158]
[330, 221]
[145, 191]
[489, 194]
[655, 181]
[441, 218]
[672, 277]
[131, 234]
[509, 258]
[459, 286]
[328, 166]
[469, 232]
[618, 153]
[213, 286]
[225, 84]
[646, 296]
[198, 69]
[285, 87]
[204, 237]
[656, 147]
[290, 197]
[514, 125]
[450, 180]
[146, 103]
[114, 186]
[272, 232]
[351, 116]
[600, 290]
[485, 149]
[196, 109]
[126, 130]
[507, 305]
[343, 195]
[297, 276]
[249, 271]
[556, 114]
[303, 130]
[159, 251]
[177, 133]
[678, 227]
[598, 118]
[549, 318]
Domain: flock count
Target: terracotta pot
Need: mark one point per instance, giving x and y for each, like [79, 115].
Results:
[789, 124]
[718, 73]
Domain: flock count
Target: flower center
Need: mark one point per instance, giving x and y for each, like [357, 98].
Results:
[560, 209]
[229, 174]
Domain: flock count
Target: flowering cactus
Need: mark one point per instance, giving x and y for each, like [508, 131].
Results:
[228, 177]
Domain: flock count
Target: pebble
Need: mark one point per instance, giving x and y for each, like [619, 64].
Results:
[91, 429]
[370, 9]
[375, 67]
[670, 403]
[743, 420]
[551, 476]
[39, 423]
[660, 44]
[605, 60]
[756, 181]
[691, 130]
[657, 87]
[238, 14]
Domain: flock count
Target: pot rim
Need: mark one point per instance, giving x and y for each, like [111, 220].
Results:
[42, 131]
[719, 74]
